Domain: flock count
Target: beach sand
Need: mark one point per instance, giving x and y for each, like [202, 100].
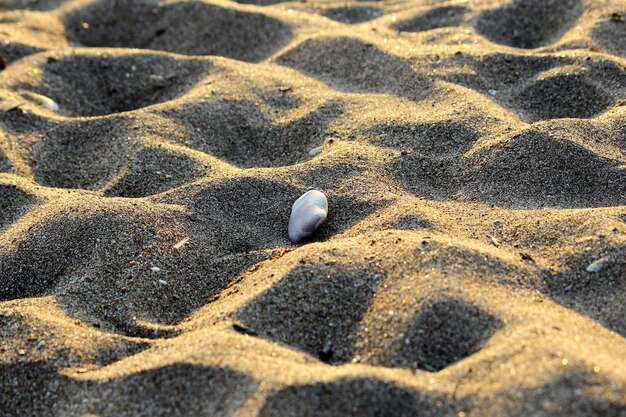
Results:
[474, 161]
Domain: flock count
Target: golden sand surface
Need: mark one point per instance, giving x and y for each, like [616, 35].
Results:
[474, 161]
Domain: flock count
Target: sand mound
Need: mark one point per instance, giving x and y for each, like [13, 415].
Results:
[472, 154]
[158, 168]
[597, 295]
[198, 389]
[73, 156]
[546, 170]
[610, 32]
[433, 19]
[351, 15]
[430, 164]
[14, 202]
[458, 329]
[325, 303]
[90, 85]
[364, 397]
[562, 93]
[353, 65]
[247, 135]
[148, 25]
[529, 24]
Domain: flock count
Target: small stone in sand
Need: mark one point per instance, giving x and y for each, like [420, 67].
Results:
[162, 282]
[316, 151]
[181, 243]
[495, 241]
[44, 101]
[155, 269]
[307, 214]
[157, 80]
[597, 265]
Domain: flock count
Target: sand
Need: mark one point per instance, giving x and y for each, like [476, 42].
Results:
[474, 160]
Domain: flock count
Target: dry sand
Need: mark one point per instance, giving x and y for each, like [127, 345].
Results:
[474, 159]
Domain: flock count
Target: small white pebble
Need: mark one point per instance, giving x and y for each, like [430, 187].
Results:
[316, 151]
[51, 105]
[493, 92]
[597, 265]
[162, 282]
[157, 80]
[155, 269]
[307, 214]
[44, 101]
[182, 243]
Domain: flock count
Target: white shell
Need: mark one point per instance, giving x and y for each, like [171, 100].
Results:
[598, 265]
[44, 101]
[307, 214]
[316, 151]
